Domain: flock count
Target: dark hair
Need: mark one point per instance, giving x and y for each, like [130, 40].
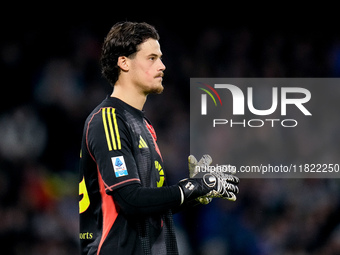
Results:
[123, 40]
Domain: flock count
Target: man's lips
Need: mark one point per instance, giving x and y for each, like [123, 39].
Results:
[160, 75]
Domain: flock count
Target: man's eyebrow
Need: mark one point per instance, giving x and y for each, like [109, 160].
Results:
[155, 55]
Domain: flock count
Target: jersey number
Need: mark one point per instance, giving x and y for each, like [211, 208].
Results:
[84, 202]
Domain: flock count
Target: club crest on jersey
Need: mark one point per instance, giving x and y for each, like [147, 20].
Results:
[119, 166]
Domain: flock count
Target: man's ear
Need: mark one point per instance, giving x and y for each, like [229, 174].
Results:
[123, 63]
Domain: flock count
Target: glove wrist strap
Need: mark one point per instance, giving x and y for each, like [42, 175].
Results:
[182, 195]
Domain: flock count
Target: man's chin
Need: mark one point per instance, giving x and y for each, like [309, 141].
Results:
[157, 90]
[160, 89]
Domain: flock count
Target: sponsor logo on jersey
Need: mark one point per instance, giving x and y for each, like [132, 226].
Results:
[86, 235]
[142, 143]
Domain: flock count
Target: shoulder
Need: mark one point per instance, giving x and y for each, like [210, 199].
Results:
[106, 119]
[106, 128]
[108, 111]
[113, 118]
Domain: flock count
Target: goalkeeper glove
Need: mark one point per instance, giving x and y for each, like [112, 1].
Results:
[205, 161]
[225, 180]
[209, 185]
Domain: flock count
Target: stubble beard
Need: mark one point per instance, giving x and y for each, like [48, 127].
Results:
[155, 89]
[159, 89]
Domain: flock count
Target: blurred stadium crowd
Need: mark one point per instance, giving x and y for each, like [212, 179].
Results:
[51, 82]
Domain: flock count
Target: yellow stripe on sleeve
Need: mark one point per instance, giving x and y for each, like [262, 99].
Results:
[106, 130]
[111, 128]
[116, 129]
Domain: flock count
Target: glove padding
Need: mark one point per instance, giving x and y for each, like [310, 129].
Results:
[225, 186]
[209, 186]
[205, 161]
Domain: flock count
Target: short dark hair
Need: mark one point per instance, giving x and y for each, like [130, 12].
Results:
[123, 40]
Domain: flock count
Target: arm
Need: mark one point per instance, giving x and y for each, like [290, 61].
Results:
[134, 199]
[137, 200]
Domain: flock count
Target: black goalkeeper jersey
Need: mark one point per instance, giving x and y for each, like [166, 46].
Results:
[119, 148]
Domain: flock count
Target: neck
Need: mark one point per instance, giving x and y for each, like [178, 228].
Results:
[129, 95]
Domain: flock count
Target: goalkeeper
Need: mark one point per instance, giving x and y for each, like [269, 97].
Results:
[125, 204]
